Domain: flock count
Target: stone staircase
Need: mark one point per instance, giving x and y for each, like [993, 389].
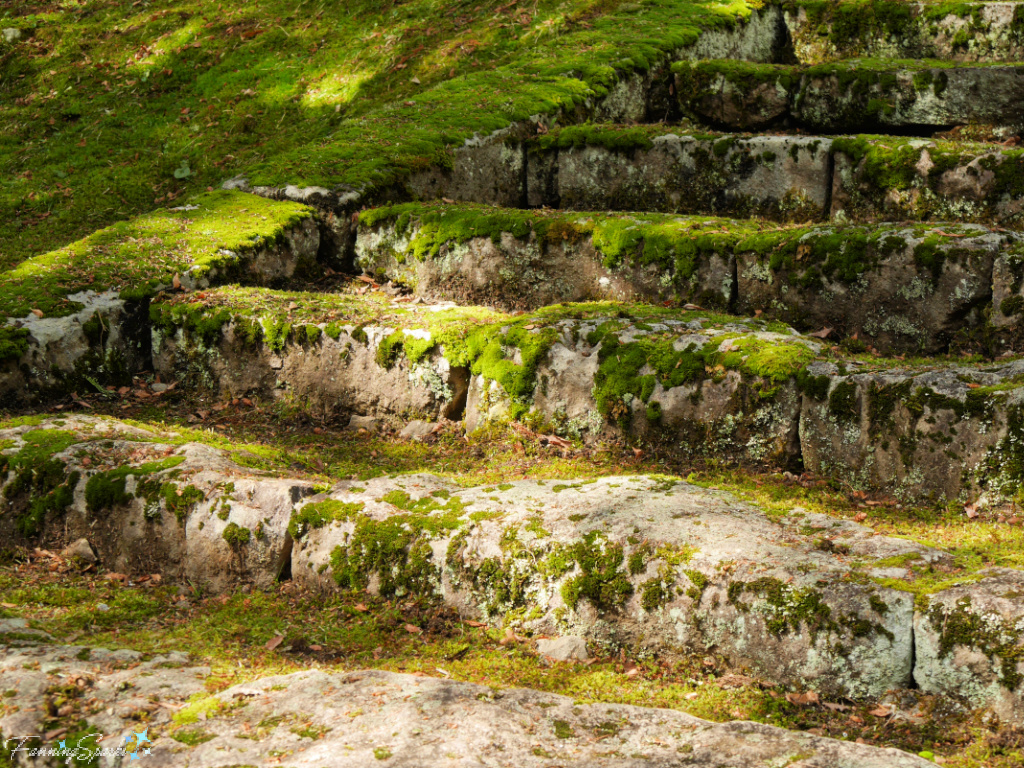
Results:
[638, 270]
[901, 244]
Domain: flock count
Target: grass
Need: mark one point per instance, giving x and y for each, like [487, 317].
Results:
[111, 110]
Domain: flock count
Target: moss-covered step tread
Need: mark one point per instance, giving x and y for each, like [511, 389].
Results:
[901, 288]
[82, 310]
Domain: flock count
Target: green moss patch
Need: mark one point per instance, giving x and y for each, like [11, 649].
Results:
[138, 256]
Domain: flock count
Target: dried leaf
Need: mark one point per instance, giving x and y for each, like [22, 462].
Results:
[824, 333]
[804, 699]
[412, 629]
[882, 711]
[275, 641]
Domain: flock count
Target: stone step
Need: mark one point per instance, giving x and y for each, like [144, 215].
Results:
[853, 95]
[82, 311]
[963, 32]
[899, 288]
[648, 563]
[674, 169]
[706, 385]
[354, 714]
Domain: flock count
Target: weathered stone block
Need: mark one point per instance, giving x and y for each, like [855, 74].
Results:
[945, 434]
[895, 179]
[969, 642]
[641, 561]
[776, 177]
[898, 289]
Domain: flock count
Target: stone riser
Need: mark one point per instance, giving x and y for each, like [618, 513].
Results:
[108, 338]
[984, 31]
[933, 435]
[780, 178]
[796, 599]
[846, 97]
[897, 288]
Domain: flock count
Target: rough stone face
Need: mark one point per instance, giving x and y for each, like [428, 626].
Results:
[970, 639]
[899, 289]
[777, 177]
[128, 693]
[896, 179]
[628, 561]
[941, 434]
[981, 31]
[81, 550]
[330, 377]
[185, 510]
[586, 390]
[852, 95]
[488, 170]
[902, 98]
[530, 272]
[563, 648]
[108, 339]
[370, 716]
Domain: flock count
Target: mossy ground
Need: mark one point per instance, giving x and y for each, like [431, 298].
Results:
[355, 631]
[112, 110]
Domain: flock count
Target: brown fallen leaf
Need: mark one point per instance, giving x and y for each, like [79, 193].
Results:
[835, 707]
[273, 642]
[37, 312]
[881, 711]
[971, 511]
[470, 623]
[860, 517]
[805, 699]
[412, 629]
[118, 577]
[824, 333]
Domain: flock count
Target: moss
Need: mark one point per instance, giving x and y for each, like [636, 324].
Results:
[786, 609]
[180, 500]
[106, 491]
[699, 583]
[562, 729]
[962, 626]
[193, 737]
[843, 402]
[654, 594]
[137, 258]
[600, 581]
[396, 549]
[317, 515]
[236, 536]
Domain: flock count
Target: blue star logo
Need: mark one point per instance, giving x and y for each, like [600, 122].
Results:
[63, 745]
[144, 736]
[133, 755]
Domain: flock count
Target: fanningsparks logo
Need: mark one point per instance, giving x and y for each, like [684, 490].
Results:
[85, 749]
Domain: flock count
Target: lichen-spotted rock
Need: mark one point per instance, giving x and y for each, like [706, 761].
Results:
[316, 718]
[628, 562]
[147, 501]
[970, 640]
